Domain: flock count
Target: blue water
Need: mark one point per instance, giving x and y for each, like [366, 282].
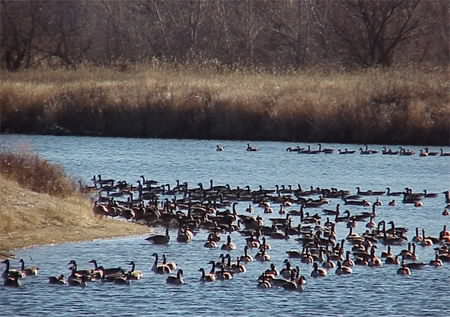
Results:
[367, 292]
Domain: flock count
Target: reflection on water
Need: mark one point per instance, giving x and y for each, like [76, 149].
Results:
[368, 291]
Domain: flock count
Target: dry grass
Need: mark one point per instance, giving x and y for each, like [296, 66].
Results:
[40, 205]
[407, 105]
[35, 173]
[30, 218]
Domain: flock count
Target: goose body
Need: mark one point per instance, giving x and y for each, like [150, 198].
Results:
[160, 239]
[176, 280]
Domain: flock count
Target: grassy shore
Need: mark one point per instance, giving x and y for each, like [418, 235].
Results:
[29, 217]
[409, 105]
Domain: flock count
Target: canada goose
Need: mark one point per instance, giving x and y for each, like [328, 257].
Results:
[318, 272]
[211, 244]
[10, 273]
[346, 151]
[12, 281]
[185, 235]
[251, 148]
[246, 257]
[229, 245]
[159, 269]
[436, 262]
[389, 193]
[426, 242]
[172, 265]
[387, 253]
[176, 280]
[104, 272]
[392, 203]
[160, 239]
[207, 277]
[76, 272]
[59, 280]
[28, 271]
[262, 256]
[287, 271]
[328, 264]
[264, 283]
[348, 262]
[219, 148]
[341, 270]
[75, 279]
[132, 274]
[444, 153]
[392, 260]
[238, 267]
[404, 270]
[445, 212]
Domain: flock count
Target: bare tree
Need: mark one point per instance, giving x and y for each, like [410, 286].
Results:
[370, 31]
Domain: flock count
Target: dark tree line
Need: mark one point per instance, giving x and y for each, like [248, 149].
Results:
[268, 33]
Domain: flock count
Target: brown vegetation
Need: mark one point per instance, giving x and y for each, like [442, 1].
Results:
[30, 218]
[407, 105]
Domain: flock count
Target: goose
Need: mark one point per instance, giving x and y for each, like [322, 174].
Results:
[348, 262]
[264, 282]
[437, 262]
[343, 270]
[79, 273]
[28, 271]
[206, 277]
[101, 271]
[425, 242]
[172, 265]
[185, 235]
[387, 253]
[251, 148]
[176, 280]
[262, 256]
[286, 272]
[211, 244]
[132, 274]
[444, 153]
[59, 280]
[328, 264]
[404, 270]
[445, 212]
[325, 150]
[426, 194]
[246, 257]
[75, 279]
[219, 148]
[229, 245]
[160, 269]
[389, 193]
[392, 203]
[12, 281]
[160, 239]
[272, 271]
[346, 151]
[224, 275]
[318, 272]
[238, 267]
[10, 273]
[392, 260]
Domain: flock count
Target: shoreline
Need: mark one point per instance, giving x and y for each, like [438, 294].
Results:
[32, 219]
[404, 105]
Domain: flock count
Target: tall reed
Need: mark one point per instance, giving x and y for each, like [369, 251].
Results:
[408, 105]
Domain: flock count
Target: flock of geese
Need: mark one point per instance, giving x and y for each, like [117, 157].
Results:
[362, 150]
[270, 215]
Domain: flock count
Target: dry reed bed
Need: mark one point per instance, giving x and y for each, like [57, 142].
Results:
[407, 105]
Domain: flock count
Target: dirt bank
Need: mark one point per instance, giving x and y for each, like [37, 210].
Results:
[28, 218]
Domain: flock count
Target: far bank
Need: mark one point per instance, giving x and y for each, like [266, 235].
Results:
[408, 105]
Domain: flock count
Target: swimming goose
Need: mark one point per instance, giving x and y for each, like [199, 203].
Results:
[59, 280]
[28, 271]
[229, 245]
[318, 272]
[172, 265]
[132, 274]
[246, 257]
[12, 281]
[160, 239]
[262, 255]
[404, 270]
[251, 148]
[341, 270]
[207, 277]
[219, 148]
[159, 269]
[176, 280]
[9, 272]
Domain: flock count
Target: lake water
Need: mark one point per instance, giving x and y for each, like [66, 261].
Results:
[367, 292]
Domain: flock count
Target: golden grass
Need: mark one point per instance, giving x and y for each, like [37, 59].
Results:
[41, 205]
[406, 105]
[29, 218]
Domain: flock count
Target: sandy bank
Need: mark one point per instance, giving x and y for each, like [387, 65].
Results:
[28, 218]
